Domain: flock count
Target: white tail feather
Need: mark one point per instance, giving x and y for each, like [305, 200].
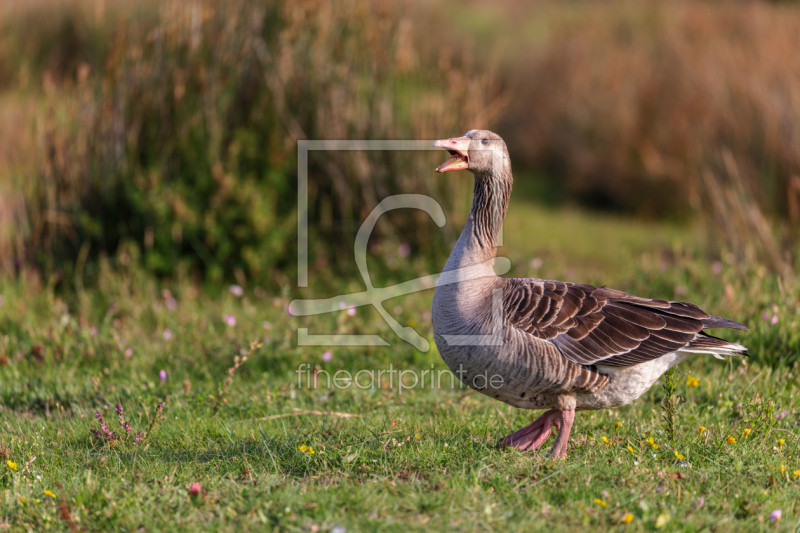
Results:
[718, 351]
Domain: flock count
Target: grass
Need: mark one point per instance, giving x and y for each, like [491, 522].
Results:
[414, 458]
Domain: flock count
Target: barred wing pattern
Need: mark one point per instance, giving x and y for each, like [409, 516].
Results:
[593, 325]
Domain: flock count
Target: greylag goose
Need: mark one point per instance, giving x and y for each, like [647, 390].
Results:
[540, 344]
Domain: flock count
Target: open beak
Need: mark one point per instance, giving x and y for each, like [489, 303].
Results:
[459, 150]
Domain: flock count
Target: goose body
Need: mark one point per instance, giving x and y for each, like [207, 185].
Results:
[542, 344]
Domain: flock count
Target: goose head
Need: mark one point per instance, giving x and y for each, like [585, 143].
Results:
[482, 152]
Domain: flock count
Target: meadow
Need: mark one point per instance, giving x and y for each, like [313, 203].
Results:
[151, 377]
[256, 448]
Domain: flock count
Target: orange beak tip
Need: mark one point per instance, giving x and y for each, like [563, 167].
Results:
[459, 146]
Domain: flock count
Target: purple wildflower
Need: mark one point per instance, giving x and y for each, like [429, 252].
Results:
[162, 374]
[121, 415]
[775, 516]
[167, 334]
[716, 268]
[230, 320]
[774, 319]
[138, 437]
[171, 303]
[351, 310]
[404, 250]
[327, 356]
[236, 290]
[700, 501]
[766, 316]
[103, 427]
[196, 490]
[781, 415]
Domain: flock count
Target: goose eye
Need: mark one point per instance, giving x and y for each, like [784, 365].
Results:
[485, 141]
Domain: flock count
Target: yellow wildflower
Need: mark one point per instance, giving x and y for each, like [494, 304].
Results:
[630, 449]
[618, 425]
[627, 518]
[679, 456]
[22, 499]
[731, 440]
[781, 442]
[782, 469]
[11, 464]
[652, 443]
[600, 502]
[49, 493]
[306, 449]
[416, 436]
[746, 432]
[797, 473]
[38, 500]
[692, 381]
[702, 429]
[605, 440]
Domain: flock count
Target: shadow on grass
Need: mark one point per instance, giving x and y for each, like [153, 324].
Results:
[289, 455]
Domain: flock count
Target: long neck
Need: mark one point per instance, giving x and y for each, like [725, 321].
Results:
[478, 241]
[489, 206]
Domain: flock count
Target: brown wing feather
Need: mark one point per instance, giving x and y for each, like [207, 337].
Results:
[595, 325]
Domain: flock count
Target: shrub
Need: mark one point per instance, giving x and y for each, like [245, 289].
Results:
[182, 141]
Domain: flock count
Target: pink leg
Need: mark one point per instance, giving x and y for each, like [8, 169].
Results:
[534, 435]
[559, 449]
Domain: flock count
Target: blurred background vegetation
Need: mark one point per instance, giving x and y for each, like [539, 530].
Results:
[164, 134]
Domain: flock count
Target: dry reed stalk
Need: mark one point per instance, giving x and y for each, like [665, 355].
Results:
[635, 102]
[303, 412]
